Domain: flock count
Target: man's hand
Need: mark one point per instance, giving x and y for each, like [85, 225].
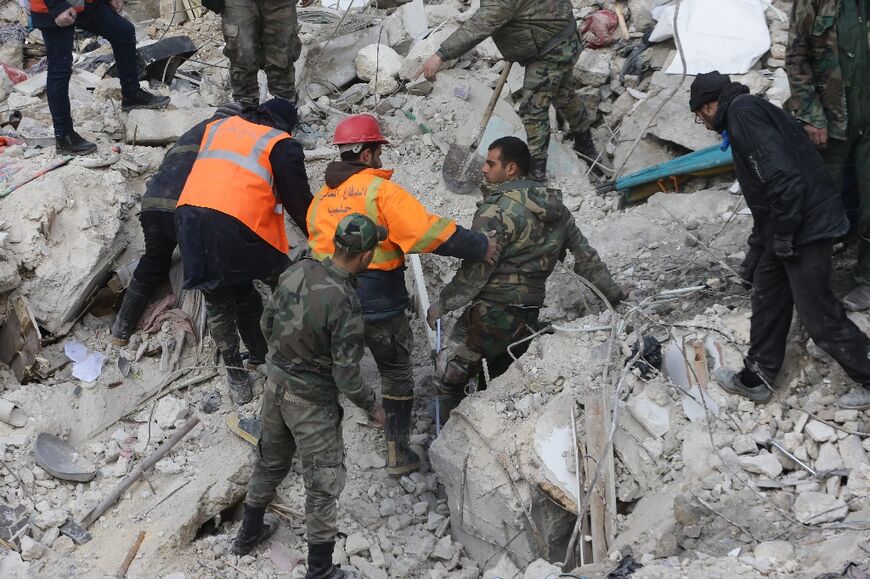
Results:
[493, 249]
[433, 315]
[66, 18]
[118, 5]
[819, 137]
[378, 415]
[430, 67]
[783, 246]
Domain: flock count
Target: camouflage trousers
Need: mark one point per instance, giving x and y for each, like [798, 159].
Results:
[236, 310]
[391, 344]
[484, 330]
[550, 80]
[261, 35]
[290, 424]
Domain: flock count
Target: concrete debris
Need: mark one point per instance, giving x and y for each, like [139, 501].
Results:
[820, 432]
[816, 508]
[31, 550]
[157, 128]
[765, 463]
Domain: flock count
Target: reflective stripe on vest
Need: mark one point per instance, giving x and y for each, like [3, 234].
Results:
[232, 174]
[381, 256]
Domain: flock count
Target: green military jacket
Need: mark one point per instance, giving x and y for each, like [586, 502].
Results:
[523, 30]
[314, 327]
[812, 63]
[534, 230]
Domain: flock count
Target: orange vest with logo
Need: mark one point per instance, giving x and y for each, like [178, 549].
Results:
[232, 174]
[410, 227]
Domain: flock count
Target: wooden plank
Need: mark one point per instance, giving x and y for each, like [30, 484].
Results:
[20, 339]
[596, 439]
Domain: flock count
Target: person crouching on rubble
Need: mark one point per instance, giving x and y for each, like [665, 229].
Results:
[316, 337]
[534, 229]
[231, 230]
[57, 20]
[797, 214]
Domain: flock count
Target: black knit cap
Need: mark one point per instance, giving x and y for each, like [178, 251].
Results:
[706, 88]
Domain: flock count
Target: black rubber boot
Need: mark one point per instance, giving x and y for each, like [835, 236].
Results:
[320, 564]
[238, 379]
[73, 144]
[538, 170]
[256, 528]
[135, 300]
[401, 460]
[584, 145]
[142, 99]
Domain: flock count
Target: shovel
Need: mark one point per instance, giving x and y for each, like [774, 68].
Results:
[461, 170]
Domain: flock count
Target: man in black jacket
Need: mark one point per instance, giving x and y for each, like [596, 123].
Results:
[157, 217]
[231, 228]
[797, 214]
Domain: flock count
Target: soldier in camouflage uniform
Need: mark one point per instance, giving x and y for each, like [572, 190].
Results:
[542, 37]
[260, 35]
[828, 65]
[534, 230]
[316, 339]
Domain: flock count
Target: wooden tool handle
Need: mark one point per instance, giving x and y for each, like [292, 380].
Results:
[487, 114]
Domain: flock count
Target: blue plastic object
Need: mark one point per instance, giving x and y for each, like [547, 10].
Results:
[705, 159]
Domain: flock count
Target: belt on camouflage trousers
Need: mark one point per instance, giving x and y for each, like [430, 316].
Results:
[294, 399]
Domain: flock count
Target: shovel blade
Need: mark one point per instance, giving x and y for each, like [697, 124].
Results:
[461, 170]
[76, 532]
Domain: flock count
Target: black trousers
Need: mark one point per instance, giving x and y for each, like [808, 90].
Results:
[805, 283]
[160, 241]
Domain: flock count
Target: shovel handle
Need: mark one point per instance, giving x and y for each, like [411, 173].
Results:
[487, 114]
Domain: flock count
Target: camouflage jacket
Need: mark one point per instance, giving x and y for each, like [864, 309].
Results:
[534, 230]
[314, 327]
[522, 30]
[813, 66]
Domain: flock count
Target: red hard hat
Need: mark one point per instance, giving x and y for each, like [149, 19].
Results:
[359, 129]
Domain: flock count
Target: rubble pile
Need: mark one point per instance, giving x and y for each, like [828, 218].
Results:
[703, 483]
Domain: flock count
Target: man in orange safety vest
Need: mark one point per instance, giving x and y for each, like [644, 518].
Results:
[358, 184]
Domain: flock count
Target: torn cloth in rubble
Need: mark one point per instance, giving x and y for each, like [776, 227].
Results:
[161, 312]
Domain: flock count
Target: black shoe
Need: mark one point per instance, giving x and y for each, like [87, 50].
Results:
[401, 460]
[238, 379]
[256, 528]
[730, 381]
[142, 99]
[585, 146]
[538, 170]
[135, 299]
[73, 144]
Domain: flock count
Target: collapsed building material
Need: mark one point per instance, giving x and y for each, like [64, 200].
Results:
[20, 339]
[61, 460]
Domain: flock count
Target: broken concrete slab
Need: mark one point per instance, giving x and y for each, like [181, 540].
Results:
[423, 50]
[33, 86]
[162, 127]
[377, 60]
[593, 67]
[816, 508]
[765, 464]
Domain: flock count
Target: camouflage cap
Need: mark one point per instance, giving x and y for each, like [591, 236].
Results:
[357, 233]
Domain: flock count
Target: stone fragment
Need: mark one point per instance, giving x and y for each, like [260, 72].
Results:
[777, 551]
[444, 549]
[161, 127]
[541, 568]
[852, 452]
[593, 67]
[356, 543]
[842, 416]
[421, 508]
[434, 521]
[859, 483]
[167, 466]
[815, 507]
[829, 459]
[653, 417]
[744, 444]
[371, 461]
[31, 550]
[819, 431]
[63, 545]
[368, 570]
[765, 464]
[399, 522]
[49, 519]
[169, 410]
[366, 514]
[142, 435]
[504, 567]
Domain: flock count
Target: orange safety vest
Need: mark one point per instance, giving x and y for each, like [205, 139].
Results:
[40, 7]
[232, 174]
[411, 228]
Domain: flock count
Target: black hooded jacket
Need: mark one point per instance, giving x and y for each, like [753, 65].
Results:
[785, 181]
[219, 250]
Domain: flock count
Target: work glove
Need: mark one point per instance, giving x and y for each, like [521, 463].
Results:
[750, 262]
[783, 246]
